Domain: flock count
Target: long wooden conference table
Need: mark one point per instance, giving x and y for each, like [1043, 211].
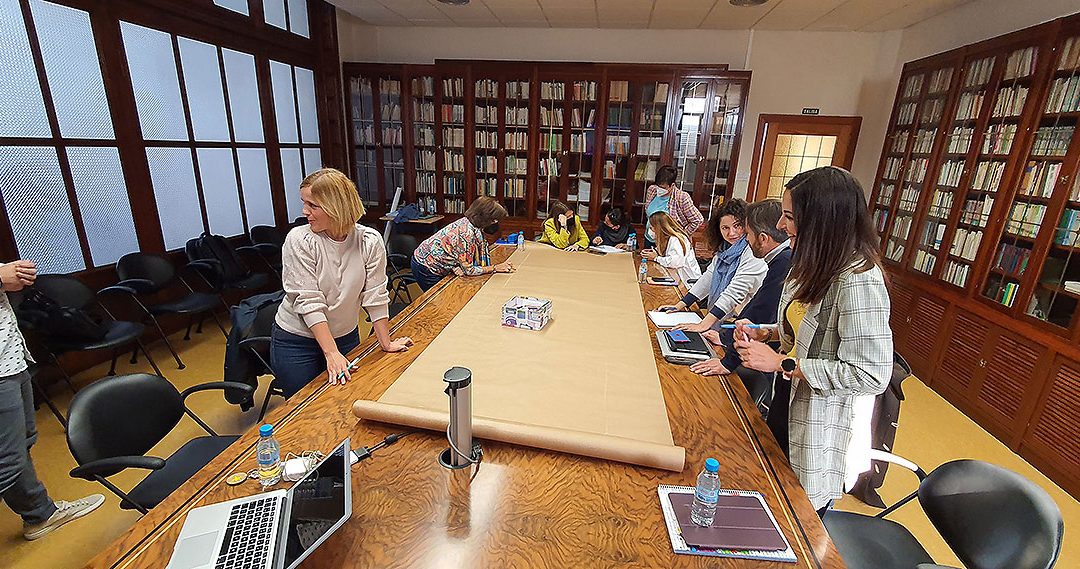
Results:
[525, 507]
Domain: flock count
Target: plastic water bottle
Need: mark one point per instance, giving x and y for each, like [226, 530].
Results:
[706, 494]
[268, 452]
[521, 240]
[643, 271]
[631, 242]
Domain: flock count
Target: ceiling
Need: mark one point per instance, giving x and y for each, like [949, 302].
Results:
[820, 15]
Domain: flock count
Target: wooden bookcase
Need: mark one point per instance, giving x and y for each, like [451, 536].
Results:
[977, 204]
[528, 133]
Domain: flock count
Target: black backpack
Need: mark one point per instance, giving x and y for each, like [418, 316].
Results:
[216, 248]
[60, 322]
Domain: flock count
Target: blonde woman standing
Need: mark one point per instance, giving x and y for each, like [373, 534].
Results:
[331, 268]
[673, 248]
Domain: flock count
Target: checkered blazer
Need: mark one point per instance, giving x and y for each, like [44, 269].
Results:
[845, 348]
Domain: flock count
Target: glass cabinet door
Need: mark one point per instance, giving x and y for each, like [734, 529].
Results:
[486, 132]
[579, 170]
[726, 108]
[617, 144]
[424, 142]
[393, 147]
[692, 110]
[1054, 154]
[551, 151]
[516, 146]
[366, 166]
[652, 126]
[937, 209]
[452, 121]
[911, 173]
[898, 143]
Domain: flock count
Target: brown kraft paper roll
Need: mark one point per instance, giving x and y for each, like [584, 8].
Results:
[607, 447]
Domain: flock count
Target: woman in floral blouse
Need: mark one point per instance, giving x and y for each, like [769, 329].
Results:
[462, 247]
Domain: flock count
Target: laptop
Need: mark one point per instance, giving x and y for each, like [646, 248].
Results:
[271, 530]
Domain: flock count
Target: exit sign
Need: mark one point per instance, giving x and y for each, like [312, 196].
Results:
[811, 111]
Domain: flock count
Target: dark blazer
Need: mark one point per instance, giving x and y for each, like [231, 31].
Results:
[762, 308]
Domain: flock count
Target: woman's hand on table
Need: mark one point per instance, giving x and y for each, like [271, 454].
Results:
[397, 344]
[649, 254]
[503, 267]
[337, 368]
[699, 327]
[711, 366]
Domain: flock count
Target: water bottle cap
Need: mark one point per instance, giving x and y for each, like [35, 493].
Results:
[266, 430]
[712, 465]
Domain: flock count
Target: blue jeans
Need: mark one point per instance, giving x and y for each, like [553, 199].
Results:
[19, 484]
[424, 276]
[297, 360]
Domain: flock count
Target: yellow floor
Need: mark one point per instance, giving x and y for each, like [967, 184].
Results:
[931, 432]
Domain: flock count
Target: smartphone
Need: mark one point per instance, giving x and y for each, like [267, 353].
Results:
[678, 336]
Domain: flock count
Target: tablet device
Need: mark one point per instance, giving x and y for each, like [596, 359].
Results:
[678, 336]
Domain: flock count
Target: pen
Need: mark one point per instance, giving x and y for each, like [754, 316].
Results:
[751, 326]
[352, 365]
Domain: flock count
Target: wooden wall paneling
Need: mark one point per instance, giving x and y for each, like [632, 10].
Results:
[902, 299]
[328, 85]
[273, 147]
[963, 365]
[1015, 372]
[923, 336]
[1052, 439]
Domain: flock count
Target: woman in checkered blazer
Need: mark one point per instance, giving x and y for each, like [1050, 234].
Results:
[836, 346]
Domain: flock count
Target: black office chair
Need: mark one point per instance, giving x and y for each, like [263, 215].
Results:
[147, 274]
[991, 517]
[267, 241]
[115, 421]
[399, 253]
[759, 385]
[71, 293]
[258, 345]
[222, 267]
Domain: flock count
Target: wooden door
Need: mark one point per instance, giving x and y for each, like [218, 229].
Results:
[789, 144]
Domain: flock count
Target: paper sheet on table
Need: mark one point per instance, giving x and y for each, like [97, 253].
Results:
[590, 371]
[607, 249]
[672, 319]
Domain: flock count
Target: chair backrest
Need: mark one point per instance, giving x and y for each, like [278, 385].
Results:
[401, 244]
[124, 415]
[66, 291]
[991, 517]
[217, 248]
[266, 234]
[154, 268]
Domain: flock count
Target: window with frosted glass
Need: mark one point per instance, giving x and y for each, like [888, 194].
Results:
[243, 96]
[298, 17]
[72, 70]
[293, 173]
[37, 205]
[305, 98]
[103, 203]
[274, 12]
[172, 175]
[312, 160]
[205, 95]
[157, 87]
[22, 112]
[255, 180]
[281, 80]
[240, 6]
[218, 174]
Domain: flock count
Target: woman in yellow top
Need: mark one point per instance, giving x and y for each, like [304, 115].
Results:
[563, 229]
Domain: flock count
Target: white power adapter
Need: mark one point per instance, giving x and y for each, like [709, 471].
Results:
[295, 468]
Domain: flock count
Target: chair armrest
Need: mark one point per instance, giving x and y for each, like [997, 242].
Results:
[112, 465]
[891, 458]
[264, 248]
[124, 290]
[209, 270]
[933, 566]
[140, 286]
[247, 389]
[254, 341]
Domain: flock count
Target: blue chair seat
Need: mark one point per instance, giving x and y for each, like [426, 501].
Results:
[179, 468]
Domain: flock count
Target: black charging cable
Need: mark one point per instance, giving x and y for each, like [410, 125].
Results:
[364, 453]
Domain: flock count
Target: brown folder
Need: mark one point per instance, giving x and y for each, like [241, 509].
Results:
[740, 523]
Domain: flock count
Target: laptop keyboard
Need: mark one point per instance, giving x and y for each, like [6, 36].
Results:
[248, 535]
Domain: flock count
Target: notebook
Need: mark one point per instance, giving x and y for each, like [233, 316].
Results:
[696, 345]
[672, 319]
[743, 527]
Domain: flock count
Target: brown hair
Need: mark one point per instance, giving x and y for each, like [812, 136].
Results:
[557, 208]
[336, 194]
[664, 227]
[834, 230]
[735, 208]
[762, 217]
[484, 211]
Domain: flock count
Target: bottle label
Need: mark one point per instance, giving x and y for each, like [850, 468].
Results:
[706, 496]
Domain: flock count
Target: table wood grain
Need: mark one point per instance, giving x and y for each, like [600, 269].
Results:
[524, 507]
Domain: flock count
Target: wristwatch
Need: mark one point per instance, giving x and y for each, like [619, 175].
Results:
[788, 365]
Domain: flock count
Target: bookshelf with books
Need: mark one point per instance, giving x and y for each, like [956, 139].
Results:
[528, 133]
[992, 322]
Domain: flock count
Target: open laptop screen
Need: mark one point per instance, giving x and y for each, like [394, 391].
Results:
[320, 503]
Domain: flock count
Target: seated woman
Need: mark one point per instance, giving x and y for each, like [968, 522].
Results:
[331, 267]
[613, 232]
[563, 229]
[673, 248]
[734, 274]
[664, 195]
[462, 247]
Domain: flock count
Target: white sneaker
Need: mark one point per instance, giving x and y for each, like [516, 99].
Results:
[65, 512]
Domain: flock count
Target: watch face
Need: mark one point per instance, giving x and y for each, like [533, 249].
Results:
[788, 365]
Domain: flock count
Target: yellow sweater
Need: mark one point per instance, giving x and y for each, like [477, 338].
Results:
[562, 238]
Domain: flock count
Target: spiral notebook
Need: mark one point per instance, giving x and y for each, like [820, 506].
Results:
[743, 527]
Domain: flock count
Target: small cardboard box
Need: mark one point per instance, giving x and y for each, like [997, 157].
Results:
[526, 312]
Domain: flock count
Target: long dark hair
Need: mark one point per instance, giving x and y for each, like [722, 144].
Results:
[834, 230]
